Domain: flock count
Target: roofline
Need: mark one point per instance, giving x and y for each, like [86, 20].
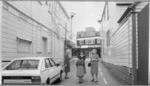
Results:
[63, 9]
[97, 37]
[123, 4]
[127, 11]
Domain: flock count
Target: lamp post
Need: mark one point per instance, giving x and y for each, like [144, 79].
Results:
[71, 16]
[101, 34]
[100, 21]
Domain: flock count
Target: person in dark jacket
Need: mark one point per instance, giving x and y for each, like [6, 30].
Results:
[82, 56]
[80, 69]
[67, 63]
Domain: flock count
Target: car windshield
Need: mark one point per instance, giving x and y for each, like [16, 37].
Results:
[23, 64]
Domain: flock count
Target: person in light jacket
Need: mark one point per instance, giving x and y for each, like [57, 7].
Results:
[80, 69]
[94, 65]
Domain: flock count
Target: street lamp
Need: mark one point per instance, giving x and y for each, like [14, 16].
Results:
[101, 34]
[71, 16]
[100, 21]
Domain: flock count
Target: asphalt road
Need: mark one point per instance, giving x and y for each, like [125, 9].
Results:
[104, 76]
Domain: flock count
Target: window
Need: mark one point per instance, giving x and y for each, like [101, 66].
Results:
[23, 64]
[108, 38]
[14, 65]
[47, 63]
[23, 45]
[52, 62]
[32, 64]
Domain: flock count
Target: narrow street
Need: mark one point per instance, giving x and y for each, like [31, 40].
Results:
[104, 76]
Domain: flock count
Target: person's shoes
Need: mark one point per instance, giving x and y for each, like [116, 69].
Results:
[96, 80]
[66, 77]
[92, 80]
[80, 82]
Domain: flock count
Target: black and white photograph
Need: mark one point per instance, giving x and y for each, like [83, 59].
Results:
[74, 42]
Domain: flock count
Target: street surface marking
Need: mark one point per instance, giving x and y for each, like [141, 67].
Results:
[99, 68]
[105, 81]
[101, 73]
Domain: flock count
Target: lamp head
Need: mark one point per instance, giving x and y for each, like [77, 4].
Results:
[72, 15]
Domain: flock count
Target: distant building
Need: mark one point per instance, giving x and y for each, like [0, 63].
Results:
[88, 40]
[89, 32]
[81, 34]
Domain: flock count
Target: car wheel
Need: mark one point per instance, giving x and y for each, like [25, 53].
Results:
[60, 77]
[48, 81]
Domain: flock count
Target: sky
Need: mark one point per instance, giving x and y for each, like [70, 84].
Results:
[86, 14]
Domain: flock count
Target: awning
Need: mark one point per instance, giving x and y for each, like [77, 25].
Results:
[70, 44]
[24, 37]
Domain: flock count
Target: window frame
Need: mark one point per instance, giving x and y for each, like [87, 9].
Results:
[48, 62]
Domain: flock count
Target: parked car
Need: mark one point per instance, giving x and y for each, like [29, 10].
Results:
[32, 70]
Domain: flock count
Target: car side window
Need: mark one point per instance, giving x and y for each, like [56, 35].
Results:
[15, 65]
[53, 61]
[53, 64]
[47, 63]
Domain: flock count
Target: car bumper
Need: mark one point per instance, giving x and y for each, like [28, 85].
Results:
[22, 83]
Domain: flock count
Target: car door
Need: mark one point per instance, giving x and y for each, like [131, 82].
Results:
[55, 69]
[46, 72]
[58, 68]
[52, 71]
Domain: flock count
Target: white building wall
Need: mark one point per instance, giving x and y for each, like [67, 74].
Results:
[118, 52]
[120, 49]
[14, 27]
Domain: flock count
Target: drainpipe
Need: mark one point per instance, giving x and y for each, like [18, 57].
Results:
[1, 3]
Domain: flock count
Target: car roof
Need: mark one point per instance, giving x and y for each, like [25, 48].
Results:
[37, 58]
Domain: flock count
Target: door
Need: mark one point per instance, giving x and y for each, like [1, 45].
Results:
[57, 68]
[48, 71]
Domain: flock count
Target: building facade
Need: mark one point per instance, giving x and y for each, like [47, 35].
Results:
[125, 40]
[34, 28]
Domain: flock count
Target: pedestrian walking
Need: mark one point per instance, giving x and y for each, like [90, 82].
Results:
[94, 65]
[80, 69]
[82, 56]
[67, 63]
